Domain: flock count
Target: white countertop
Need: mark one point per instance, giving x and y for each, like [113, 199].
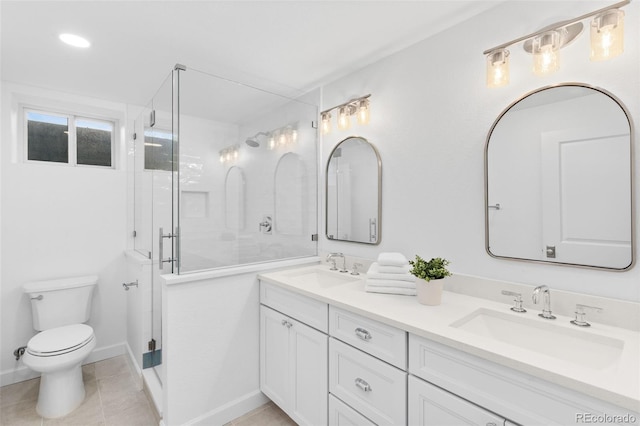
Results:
[619, 383]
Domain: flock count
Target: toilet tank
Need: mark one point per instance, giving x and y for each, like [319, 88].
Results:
[59, 302]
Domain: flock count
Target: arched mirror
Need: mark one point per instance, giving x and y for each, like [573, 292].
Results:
[558, 179]
[234, 199]
[354, 192]
[290, 188]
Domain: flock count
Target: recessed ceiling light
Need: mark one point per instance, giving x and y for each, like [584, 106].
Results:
[74, 40]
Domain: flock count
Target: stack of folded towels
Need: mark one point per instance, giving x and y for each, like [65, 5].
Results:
[390, 274]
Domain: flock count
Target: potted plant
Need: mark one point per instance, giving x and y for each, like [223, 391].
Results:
[429, 275]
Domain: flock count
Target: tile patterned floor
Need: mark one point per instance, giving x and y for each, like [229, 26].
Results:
[266, 415]
[112, 399]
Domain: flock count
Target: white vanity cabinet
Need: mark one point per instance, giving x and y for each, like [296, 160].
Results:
[293, 355]
[363, 355]
[431, 406]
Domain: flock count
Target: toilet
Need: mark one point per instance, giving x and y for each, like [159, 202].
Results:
[59, 308]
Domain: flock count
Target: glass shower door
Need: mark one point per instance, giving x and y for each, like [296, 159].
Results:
[154, 210]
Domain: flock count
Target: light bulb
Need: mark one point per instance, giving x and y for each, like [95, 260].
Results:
[222, 157]
[498, 68]
[294, 136]
[545, 49]
[607, 35]
[235, 154]
[326, 123]
[364, 111]
[344, 120]
[272, 142]
[282, 139]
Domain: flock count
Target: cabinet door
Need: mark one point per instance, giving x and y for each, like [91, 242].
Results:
[308, 371]
[274, 354]
[340, 414]
[430, 405]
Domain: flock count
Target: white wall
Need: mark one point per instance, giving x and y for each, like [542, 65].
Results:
[431, 113]
[59, 221]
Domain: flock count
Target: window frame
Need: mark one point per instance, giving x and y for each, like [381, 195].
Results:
[72, 141]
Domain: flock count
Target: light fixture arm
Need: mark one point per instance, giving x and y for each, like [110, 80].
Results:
[555, 26]
[352, 102]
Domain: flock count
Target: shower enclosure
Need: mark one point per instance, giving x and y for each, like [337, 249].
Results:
[225, 175]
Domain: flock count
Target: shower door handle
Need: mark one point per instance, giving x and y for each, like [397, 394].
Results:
[161, 259]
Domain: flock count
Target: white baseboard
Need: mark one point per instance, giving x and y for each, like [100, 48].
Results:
[21, 373]
[231, 410]
[153, 387]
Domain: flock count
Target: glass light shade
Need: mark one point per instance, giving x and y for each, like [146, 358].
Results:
[545, 49]
[498, 68]
[364, 111]
[607, 35]
[344, 120]
[235, 154]
[272, 142]
[294, 136]
[222, 157]
[326, 123]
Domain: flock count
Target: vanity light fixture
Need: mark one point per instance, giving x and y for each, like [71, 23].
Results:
[358, 106]
[607, 41]
[229, 154]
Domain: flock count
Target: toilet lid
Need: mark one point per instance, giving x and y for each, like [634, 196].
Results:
[55, 340]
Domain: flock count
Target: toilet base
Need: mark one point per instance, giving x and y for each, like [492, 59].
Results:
[61, 392]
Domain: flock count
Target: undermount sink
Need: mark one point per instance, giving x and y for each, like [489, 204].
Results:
[576, 346]
[322, 277]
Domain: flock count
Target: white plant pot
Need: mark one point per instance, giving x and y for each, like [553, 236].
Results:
[429, 292]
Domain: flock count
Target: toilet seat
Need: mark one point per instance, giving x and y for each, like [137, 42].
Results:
[60, 340]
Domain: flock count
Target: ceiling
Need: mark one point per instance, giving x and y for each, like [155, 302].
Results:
[287, 47]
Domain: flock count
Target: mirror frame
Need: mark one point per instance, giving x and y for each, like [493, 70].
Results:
[326, 193]
[631, 169]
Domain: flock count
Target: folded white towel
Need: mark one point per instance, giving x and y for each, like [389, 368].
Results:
[373, 282]
[391, 290]
[392, 259]
[374, 272]
[394, 269]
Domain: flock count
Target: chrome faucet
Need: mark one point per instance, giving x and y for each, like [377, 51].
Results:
[331, 257]
[546, 310]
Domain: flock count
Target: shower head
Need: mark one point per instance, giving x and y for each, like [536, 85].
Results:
[253, 140]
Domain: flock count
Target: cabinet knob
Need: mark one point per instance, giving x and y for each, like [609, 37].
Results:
[286, 323]
[363, 385]
[363, 334]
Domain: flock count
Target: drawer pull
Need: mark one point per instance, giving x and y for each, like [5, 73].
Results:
[363, 385]
[363, 334]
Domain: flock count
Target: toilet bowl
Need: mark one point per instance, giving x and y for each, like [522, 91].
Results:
[58, 354]
[60, 308]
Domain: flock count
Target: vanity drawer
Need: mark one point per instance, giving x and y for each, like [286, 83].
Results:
[305, 309]
[372, 387]
[340, 414]
[378, 339]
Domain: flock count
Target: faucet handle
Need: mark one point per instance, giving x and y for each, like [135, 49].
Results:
[517, 307]
[580, 314]
[355, 268]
